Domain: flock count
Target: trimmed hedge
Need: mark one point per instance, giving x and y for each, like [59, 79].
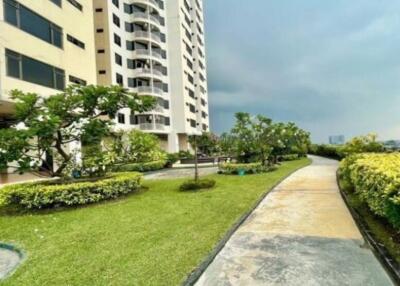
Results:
[376, 180]
[328, 151]
[141, 167]
[289, 157]
[251, 168]
[193, 185]
[56, 194]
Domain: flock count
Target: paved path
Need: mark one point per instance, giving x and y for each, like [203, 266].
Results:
[179, 173]
[301, 234]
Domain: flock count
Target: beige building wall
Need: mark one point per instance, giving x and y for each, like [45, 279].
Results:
[73, 60]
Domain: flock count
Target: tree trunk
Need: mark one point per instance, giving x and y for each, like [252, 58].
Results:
[66, 158]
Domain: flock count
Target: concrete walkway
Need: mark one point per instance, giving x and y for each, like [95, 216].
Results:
[301, 234]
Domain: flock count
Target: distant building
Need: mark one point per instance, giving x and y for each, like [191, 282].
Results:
[392, 144]
[336, 140]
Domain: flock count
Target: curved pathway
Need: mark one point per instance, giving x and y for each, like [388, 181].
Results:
[301, 234]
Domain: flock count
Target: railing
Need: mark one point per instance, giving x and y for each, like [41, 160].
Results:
[145, 34]
[149, 89]
[151, 126]
[153, 2]
[145, 52]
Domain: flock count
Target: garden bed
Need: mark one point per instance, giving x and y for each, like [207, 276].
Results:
[156, 237]
[52, 194]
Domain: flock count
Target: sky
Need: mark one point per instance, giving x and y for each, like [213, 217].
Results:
[331, 66]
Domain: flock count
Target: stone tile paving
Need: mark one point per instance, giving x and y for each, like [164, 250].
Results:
[301, 234]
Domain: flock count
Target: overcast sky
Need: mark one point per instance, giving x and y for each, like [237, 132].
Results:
[331, 66]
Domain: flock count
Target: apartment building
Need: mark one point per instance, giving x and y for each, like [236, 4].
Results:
[188, 74]
[45, 45]
[144, 46]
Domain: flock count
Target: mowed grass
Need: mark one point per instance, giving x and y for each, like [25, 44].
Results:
[154, 237]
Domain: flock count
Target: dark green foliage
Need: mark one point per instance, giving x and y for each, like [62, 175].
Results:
[193, 185]
[249, 168]
[57, 193]
[141, 167]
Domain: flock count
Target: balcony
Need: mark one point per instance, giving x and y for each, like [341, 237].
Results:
[151, 3]
[148, 73]
[146, 17]
[152, 126]
[147, 53]
[148, 36]
[149, 90]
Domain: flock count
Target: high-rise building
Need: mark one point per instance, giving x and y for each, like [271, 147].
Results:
[156, 47]
[187, 69]
[44, 46]
[337, 140]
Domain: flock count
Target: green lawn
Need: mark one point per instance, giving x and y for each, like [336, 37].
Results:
[155, 237]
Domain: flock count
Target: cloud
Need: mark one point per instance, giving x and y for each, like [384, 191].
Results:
[331, 66]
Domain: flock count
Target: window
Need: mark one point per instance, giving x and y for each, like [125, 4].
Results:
[102, 72]
[121, 118]
[31, 70]
[101, 51]
[76, 4]
[99, 10]
[118, 59]
[116, 3]
[117, 39]
[99, 30]
[203, 114]
[193, 123]
[75, 41]
[116, 21]
[192, 108]
[119, 79]
[129, 46]
[57, 2]
[32, 23]
[77, 80]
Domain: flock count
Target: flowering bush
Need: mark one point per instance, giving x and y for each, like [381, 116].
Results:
[55, 193]
[376, 179]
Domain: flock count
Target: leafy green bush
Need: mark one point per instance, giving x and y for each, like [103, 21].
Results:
[57, 193]
[329, 151]
[172, 158]
[250, 168]
[289, 157]
[200, 184]
[141, 167]
[376, 180]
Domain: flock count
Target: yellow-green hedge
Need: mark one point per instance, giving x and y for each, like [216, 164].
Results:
[376, 179]
[55, 194]
[141, 167]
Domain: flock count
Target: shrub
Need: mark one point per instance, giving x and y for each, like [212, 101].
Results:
[56, 193]
[141, 167]
[289, 157]
[329, 151]
[172, 158]
[376, 180]
[251, 168]
[200, 184]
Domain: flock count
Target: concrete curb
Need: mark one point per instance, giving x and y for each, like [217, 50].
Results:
[17, 250]
[379, 250]
[196, 274]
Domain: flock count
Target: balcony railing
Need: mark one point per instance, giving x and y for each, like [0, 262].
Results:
[150, 90]
[152, 126]
[147, 35]
[146, 16]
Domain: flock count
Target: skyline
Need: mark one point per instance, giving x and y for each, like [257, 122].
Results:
[330, 67]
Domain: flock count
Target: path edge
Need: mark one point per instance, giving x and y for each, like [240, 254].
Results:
[195, 275]
[379, 250]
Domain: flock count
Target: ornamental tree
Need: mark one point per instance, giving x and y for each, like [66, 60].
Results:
[48, 125]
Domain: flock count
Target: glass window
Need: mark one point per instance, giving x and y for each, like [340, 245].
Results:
[57, 2]
[58, 36]
[117, 40]
[35, 25]
[13, 64]
[121, 118]
[37, 72]
[59, 77]
[118, 59]
[10, 12]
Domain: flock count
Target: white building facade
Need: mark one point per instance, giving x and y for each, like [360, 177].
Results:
[155, 47]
